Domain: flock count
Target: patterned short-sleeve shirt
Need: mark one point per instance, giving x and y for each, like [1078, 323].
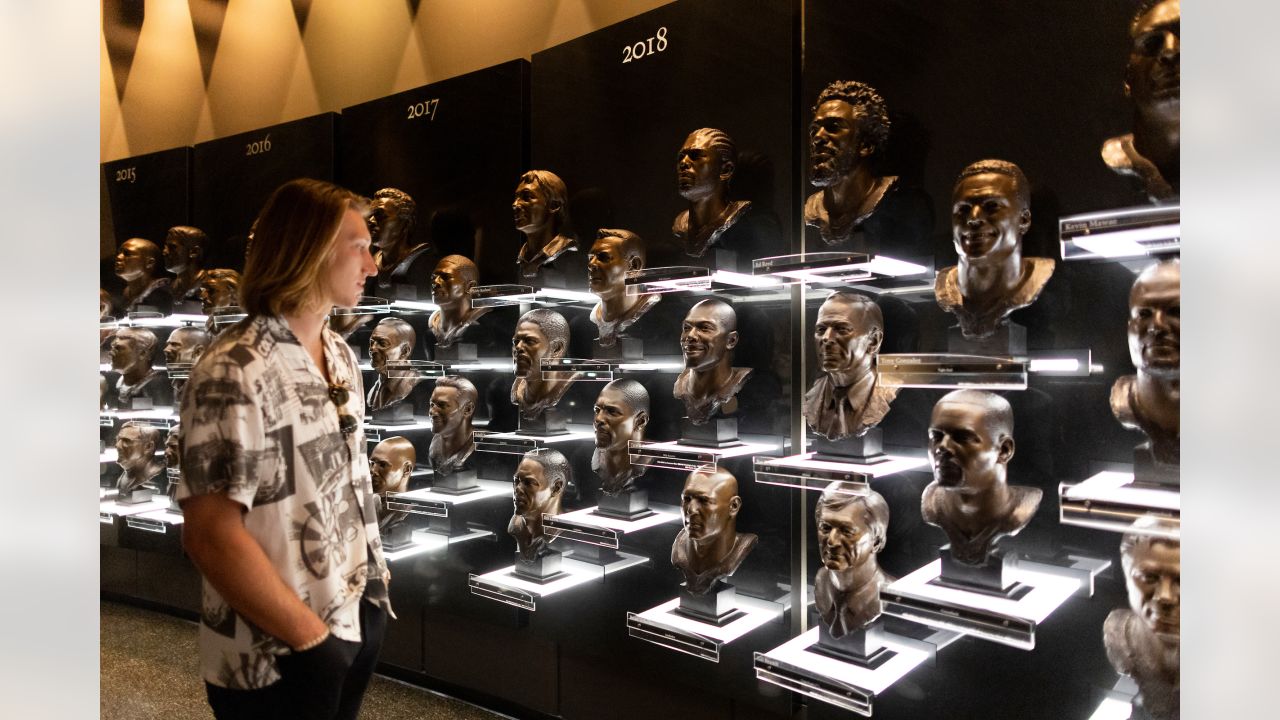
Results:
[258, 425]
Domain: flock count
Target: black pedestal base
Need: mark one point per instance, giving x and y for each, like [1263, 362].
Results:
[1148, 472]
[865, 450]
[400, 413]
[994, 577]
[397, 537]
[714, 607]
[624, 348]
[543, 570]
[1008, 339]
[455, 483]
[552, 421]
[625, 506]
[864, 648]
[449, 526]
[595, 554]
[457, 353]
[134, 496]
[716, 433]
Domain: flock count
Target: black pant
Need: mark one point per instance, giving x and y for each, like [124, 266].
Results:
[326, 682]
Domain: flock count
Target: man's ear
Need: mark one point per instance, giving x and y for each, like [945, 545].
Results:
[468, 409]
[874, 339]
[554, 205]
[406, 469]
[727, 168]
[866, 149]
[557, 487]
[634, 262]
[471, 285]
[733, 340]
[880, 540]
[735, 504]
[406, 349]
[556, 348]
[1024, 221]
[1006, 450]
[642, 419]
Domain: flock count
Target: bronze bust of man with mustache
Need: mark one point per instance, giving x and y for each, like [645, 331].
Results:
[621, 414]
[847, 400]
[990, 212]
[1144, 640]
[613, 254]
[451, 283]
[539, 334]
[453, 407]
[1153, 79]
[132, 350]
[709, 547]
[704, 168]
[709, 381]
[852, 530]
[970, 445]
[1150, 400]
[541, 210]
[391, 342]
[538, 487]
[849, 130]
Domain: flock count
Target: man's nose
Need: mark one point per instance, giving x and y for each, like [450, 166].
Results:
[1167, 591]
[1171, 47]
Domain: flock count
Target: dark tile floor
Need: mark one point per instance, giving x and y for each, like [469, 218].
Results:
[149, 671]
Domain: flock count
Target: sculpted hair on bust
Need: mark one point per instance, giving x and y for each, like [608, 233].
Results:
[406, 208]
[1144, 7]
[554, 191]
[836, 498]
[998, 415]
[872, 112]
[632, 245]
[1132, 539]
[632, 392]
[551, 323]
[146, 433]
[719, 141]
[293, 238]
[872, 316]
[191, 237]
[1022, 188]
[145, 339]
[403, 330]
[466, 390]
[555, 466]
[466, 269]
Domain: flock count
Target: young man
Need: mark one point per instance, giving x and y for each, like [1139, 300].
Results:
[275, 489]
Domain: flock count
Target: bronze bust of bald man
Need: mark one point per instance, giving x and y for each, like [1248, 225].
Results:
[451, 284]
[709, 546]
[990, 212]
[1153, 80]
[970, 445]
[852, 530]
[613, 254]
[541, 210]
[704, 169]
[1150, 400]
[847, 400]
[709, 381]
[390, 467]
[538, 487]
[1144, 640]
[849, 130]
[391, 342]
[540, 334]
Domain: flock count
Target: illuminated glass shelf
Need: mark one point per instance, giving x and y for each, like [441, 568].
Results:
[947, 371]
[162, 417]
[377, 432]
[414, 306]
[161, 522]
[692, 278]
[427, 501]
[109, 507]
[845, 685]
[803, 472]
[662, 625]
[1123, 233]
[580, 369]
[413, 370]
[366, 305]
[678, 456]
[514, 443]
[587, 526]
[1111, 501]
[506, 295]
[505, 586]
[426, 541]
[997, 619]
[843, 268]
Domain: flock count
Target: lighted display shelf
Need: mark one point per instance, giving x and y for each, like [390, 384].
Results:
[424, 541]
[506, 586]
[1003, 620]
[804, 472]
[1111, 501]
[432, 503]
[941, 371]
[679, 456]
[662, 625]
[1124, 233]
[842, 268]
[516, 443]
[590, 527]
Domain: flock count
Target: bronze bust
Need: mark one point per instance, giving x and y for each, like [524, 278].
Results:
[1150, 154]
[184, 257]
[138, 264]
[709, 546]
[132, 352]
[136, 446]
[970, 445]
[852, 530]
[1144, 640]
[451, 284]
[612, 255]
[538, 487]
[847, 400]
[392, 215]
[390, 467]
[540, 334]
[453, 407]
[704, 168]
[541, 210]
[621, 414]
[1150, 399]
[104, 304]
[849, 131]
[990, 212]
[709, 381]
[392, 341]
[186, 345]
[219, 288]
